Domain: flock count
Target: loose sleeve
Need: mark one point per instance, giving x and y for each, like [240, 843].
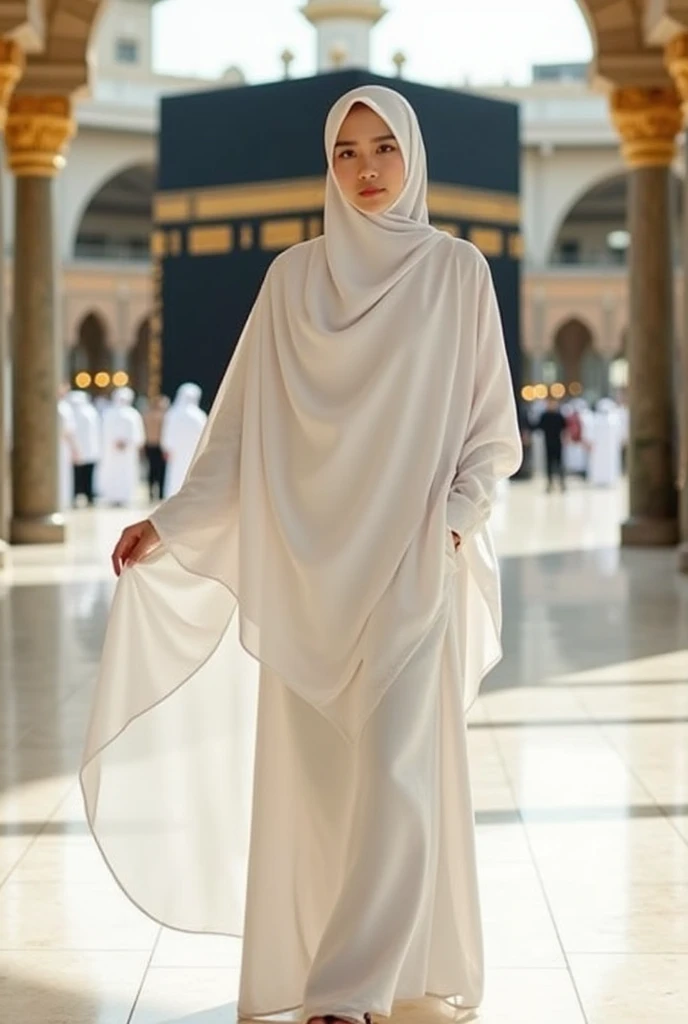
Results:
[492, 450]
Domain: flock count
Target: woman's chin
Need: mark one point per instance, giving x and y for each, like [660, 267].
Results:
[377, 205]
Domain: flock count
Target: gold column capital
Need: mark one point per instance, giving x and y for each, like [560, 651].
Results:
[12, 62]
[37, 132]
[648, 121]
[676, 58]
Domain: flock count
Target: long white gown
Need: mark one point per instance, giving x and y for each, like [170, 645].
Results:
[339, 831]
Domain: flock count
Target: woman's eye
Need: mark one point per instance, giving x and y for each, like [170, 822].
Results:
[387, 147]
[345, 154]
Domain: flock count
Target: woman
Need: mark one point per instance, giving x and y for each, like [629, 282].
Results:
[356, 441]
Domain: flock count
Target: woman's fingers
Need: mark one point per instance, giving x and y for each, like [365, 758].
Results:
[122, 550]
[134, 544]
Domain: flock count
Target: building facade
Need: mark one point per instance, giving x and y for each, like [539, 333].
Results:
[77, 202]
[574, 188]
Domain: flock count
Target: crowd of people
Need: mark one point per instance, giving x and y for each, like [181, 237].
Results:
[108, 446]
[575, 439]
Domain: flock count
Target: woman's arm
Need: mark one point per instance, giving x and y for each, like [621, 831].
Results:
[492, 449]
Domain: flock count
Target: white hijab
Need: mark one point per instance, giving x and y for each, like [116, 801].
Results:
[368, 407]
[368, 255]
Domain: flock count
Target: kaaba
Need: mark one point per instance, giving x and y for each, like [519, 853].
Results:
[241, 177]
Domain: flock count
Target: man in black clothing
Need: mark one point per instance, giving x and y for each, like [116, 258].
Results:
[552, 423]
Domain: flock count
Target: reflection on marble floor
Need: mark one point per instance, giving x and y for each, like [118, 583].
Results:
[580, 767]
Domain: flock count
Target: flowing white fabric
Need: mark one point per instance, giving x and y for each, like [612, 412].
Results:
[182, 429]
[367, 410]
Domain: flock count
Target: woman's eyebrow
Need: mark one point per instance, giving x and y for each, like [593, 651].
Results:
[377, 138]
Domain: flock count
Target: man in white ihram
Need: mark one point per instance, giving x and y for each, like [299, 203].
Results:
[604, 468]
[87, 425]
[123, 441]
[181, 432]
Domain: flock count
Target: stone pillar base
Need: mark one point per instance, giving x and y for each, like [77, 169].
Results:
[641, 532]
[38, 530]
[681, 558]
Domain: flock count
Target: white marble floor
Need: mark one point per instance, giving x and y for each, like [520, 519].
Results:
[580, 766]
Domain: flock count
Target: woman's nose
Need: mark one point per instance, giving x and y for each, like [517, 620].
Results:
[366, 172]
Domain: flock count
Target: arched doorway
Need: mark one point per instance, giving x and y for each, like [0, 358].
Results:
[116, 224]
[594, 232]
[578, 366]
[138, 357]
[91, 355]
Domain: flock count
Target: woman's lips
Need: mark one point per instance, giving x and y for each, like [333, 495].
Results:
[370, 191]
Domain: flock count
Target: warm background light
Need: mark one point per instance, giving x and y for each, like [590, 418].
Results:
[576, 388]
[102, 379]
[557, 391]
[120, 379]
[83, 379]
[540, 391]
[528, 393]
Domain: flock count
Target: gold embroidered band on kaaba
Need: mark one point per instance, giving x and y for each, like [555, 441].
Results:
[489, 219]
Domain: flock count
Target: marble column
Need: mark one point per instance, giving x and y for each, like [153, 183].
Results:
[648, 121]
[677, 62]
[37, 132]
[11, 67]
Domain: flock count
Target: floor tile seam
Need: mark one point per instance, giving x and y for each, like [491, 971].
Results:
[633, 774]
[586, 697]
[626, 952]
[144, 976]
[658, 803]
[37, 834]
[538, 874]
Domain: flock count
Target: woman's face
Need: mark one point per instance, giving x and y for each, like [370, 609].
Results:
[367, 161]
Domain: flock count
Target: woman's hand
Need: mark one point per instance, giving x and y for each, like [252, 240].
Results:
[135, 542]
[457, 540]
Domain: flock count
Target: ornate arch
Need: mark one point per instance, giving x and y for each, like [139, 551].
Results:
[91, 351]
[105, 177]
[572, 317]
[565, 311]
[573, 349]
[573, 197]
[79, 308]
[138, 356]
